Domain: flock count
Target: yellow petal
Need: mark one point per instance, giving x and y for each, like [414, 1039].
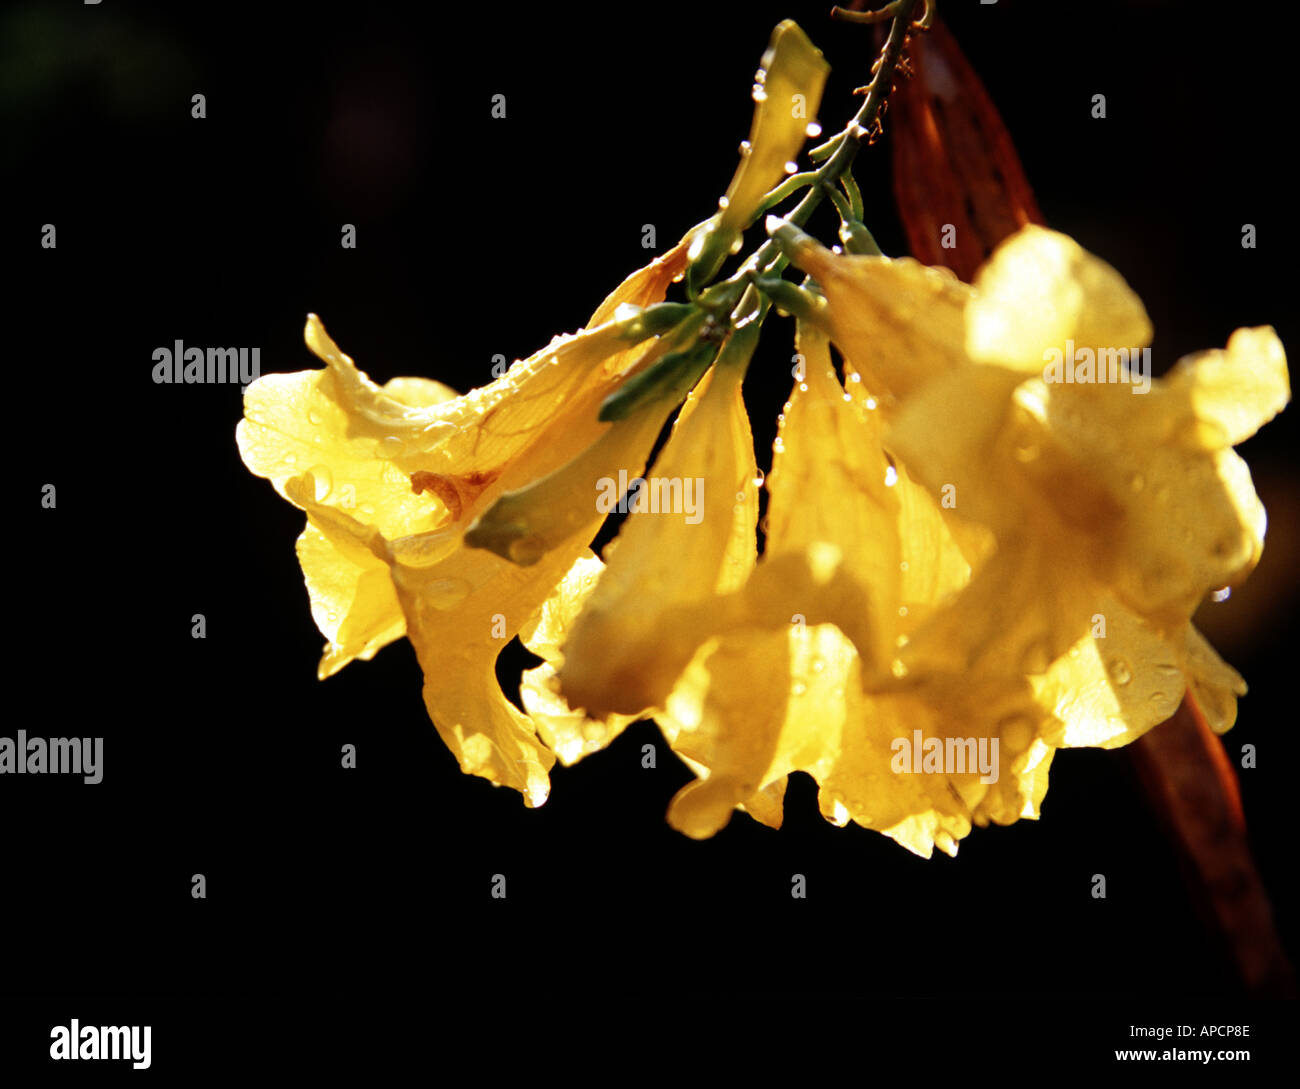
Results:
[570, 734]
[899, 323]
[352, 600]
[1214, 684]
[1237, 390]
[1041, 289]
[1109, 690]
[787, 95]
[788, 92]
[672, 554]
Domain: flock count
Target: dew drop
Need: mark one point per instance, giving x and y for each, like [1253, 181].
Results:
[314, 416]
[791, 167]
[897, 668]
[813, 130]
[779, 445]
[903, 566]
[740, 497]
[854, 376]
[902, 610]
[760, 95]
[1016, 732]
[1119, 671]
[324, 482]
[891, 477]
[527, 550]
[799, 688]
[759, 478]
[1036, 659]
[723, 203]
[445, 593]
[803, 387]
[1221, 595]
[818, 664]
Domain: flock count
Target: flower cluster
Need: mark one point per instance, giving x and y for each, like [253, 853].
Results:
[956, 546]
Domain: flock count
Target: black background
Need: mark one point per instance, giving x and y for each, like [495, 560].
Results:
[350, 888]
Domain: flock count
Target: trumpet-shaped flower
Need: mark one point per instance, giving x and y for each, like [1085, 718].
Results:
[956, 546]
[391, 479]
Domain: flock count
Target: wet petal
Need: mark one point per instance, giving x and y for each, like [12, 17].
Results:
[1041, 289]
[695, 539]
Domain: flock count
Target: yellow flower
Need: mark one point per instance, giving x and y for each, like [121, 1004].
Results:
[392, 477]
[463, 521]
[956, 546]
[1116, 501]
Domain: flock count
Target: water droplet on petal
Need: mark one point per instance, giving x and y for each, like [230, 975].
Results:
[314, 416]
[1119, 671]
[1036, 659]
[792, 167]
[759, 478]
[1221, 595]
[813, 130]
[897, 668]
[324, 482]
[527, 550]
[891, 476]
[445, 593]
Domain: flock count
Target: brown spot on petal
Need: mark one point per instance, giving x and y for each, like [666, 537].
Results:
[454, 492]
